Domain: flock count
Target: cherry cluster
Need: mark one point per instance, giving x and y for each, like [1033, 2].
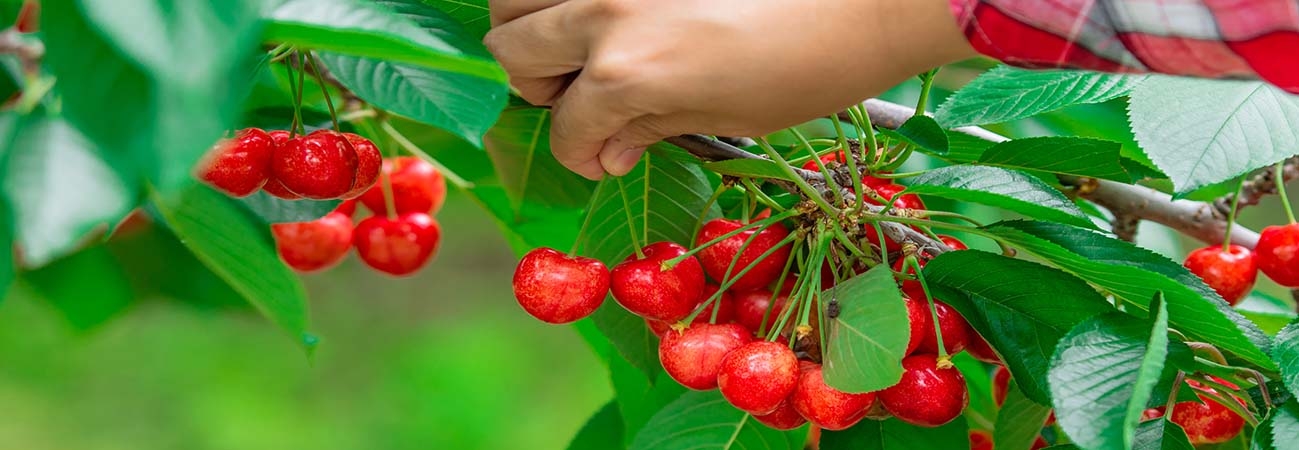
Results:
[399, 238]
[1231, 270]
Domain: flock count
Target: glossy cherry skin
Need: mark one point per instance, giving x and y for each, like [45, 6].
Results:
[1000, 384]
[398, 246]
[239, 166]
[956, 331]
[979, 348]
[321, 165]
[368, 161]
[557, 288]
[926, 396]
[1208, 422]
[906, 201]
[750, 306]
[725, 312]
[644, 288]
[921, 320]
[717, 257]
[827, 407]
[273, 186]
[758, 376]
[417, 186]
[315, 245]
[694, 357]
[784, 418]
[1277, 254]
[1231, 272]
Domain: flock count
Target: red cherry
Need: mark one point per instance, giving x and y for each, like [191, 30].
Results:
[980, 440]
[1000, 384]
[346, 208]
[1039, 444]
[758, 376]
[784, 418]
[1208, 422]
[320, 165]
[239, 166]
[725, 312]
[921, 320]
[417, 186]
[890, 245]
[956, 332]
[694, 357]
[557, 288]
[827, 407]
[979, 348]
[1231, 272]
[750, 306]
[906, 201]
[717, 257]
[953, 243]
[644, 288]
[927, 395]
[1277, 254]
[273, 186]
[397, 246]
[314, 245]
[826, 159]
[1152, 413]
[368, 160]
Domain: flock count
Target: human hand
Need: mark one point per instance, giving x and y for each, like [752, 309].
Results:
[621, 75]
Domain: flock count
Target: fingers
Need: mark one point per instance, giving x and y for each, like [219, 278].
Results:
[503, 11]
[584, 118]
[540, 44]
[623, 151]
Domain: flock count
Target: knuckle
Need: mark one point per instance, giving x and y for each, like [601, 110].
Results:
[611, 9]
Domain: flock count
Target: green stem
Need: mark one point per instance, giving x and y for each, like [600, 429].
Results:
[1280, 190]
[760, 225]
[645, 217]
[1231, 217]
[586, 221]
[954, 215]
[297, 100]
[699, 222]
[631, 221]
[912, 263]
[410, 147]
[780, 285]
[820, 165]
[761, 196]
[927, 84]
[1230, 404]
[807, 189]
[730, 281]
[324, 89]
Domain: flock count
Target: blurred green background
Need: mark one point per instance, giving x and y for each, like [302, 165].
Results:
[443, 360]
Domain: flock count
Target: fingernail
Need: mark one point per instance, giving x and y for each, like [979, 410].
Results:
[625, 161]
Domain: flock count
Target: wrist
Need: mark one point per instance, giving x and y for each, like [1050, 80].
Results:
[919, 35]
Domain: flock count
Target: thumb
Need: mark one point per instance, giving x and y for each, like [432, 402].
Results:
[623, 151]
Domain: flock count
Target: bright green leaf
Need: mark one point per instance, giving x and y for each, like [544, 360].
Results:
[88, 288]
[602, 432]
[1286, 353]
[922, 132]
[473, 14]
[1202, 132]
[273, 209]
[704, 420]
[1022, 320]
[1103, 373]
[1085, 157]
[639, 398]
[754, 168]
[1020, 420]
[869, 338]
[893, 434]
[1007, 189]
[1270, 313]
[519, 146]
[1005, 93]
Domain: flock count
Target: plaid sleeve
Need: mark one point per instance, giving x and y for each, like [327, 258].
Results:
[1203, 38]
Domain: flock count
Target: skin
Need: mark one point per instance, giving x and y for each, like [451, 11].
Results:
[399, 246]
[694, 357]
[1277, 254]
[557, 288]
[1231, 272]
[641, 286]
[623, 74]
[315, 245]
[717, 257]
[926, 396]
[758, 376]
[827, 407]
[417, 186]
[784, 418]
[239, 166]
[368, 160]
[320, 166]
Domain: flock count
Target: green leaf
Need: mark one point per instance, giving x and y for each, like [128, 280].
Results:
[1285, 422]
[629, 335]
[1286, 353]
[1007, 189]
[1022, 320]
[239, 249]
[1103, 374]
[1161, 435]
[519, 146]
[61, 188]
[639, 398]
[893, 434]
[372, 29]
[602, 432]
[869, 338]
[704, 420]
[273, 209]
[1020, 420]
[1262, 437]
[923, 133]
[1084, 157]
[1268, 312]
[88, 288]
[1135, 275]
[466, 105]
[1202, 132]
[1004, 94]
[153, 62]
[473, 14]
[755, 168]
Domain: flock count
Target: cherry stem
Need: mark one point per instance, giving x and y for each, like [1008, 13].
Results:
[410, 147]
[631, 222]
[1178, 381]
[727, 284]
[926, 84]
[297, 100]
[1280, 190]
[1231, 216]
[820, 165]
[884, 247]
[814, 292]
[780, 286]
[324, 89]
[800, 293]
[1208, 351]
[760, 225]
[808, 191]
[757, 192]
[586, 221]
[645, 210]
[851, 160]
[699, 223]
[912, 263]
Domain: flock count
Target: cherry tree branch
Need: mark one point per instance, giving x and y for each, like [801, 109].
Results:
[1263, 183]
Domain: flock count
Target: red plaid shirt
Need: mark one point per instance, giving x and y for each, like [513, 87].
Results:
[1203, 38]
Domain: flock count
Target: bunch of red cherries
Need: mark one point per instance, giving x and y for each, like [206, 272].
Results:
[403, 193]
[1232, 270]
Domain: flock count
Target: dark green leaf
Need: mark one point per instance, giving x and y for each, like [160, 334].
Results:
[1135, 275]
[755, 168]
[869, 338]
[1161, 435]
[1084, 157]
[1102, 376]
[922, 132]
[1007, 189]
[639, 398]
[372, 29]
[1020, 420]
[704, 420]
[273, 209]
[893, 434]
[88, 287]
[1262, 438]
[1202, 132]
[519, 146]
[61, 188]
[602, 432]
[1004, 94]
[239, 249]
[629, 335]
[1286, 353]
[1022, 320]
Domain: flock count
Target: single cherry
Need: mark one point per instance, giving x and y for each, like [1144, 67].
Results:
[784, 418]
[717, 258]
[315, 245]
[397, 246]
[239, 166]
[905, 201]
[368, 160]
[956, 331]
[921, 320]
[417, 186]
[557, 288]
[1231, 272]
[725, 312]
[758, 376]
[273, 186]
[643, 286]
[321, 165]
[927, 395]
[827, 407]
[694, 357]
[751, 306]
[979, 348]
[1000, 385]
[1208, 422]
[1277, 254]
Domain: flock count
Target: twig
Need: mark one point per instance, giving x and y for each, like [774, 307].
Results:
[28, 51]
[1262, 184]
[1125, 226]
